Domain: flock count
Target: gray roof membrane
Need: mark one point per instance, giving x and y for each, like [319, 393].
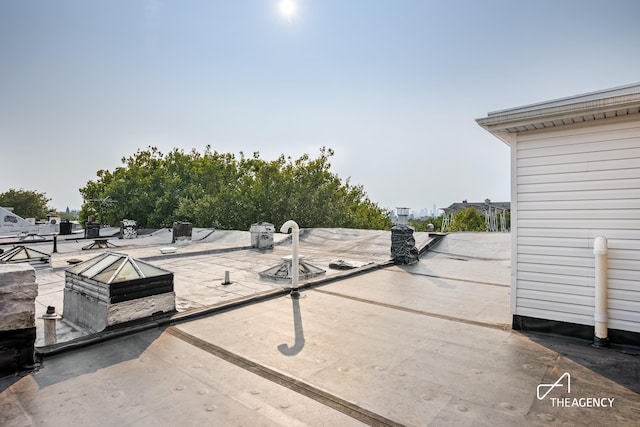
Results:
[425, 344]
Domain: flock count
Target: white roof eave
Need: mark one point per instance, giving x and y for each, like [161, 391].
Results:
[594, 106]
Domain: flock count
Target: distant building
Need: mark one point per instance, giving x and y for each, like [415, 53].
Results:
[494, 213]
[575, 175]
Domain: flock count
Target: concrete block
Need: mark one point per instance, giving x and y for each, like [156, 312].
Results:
[18, 292]
[140, 308]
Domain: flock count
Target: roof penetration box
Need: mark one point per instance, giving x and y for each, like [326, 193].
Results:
[113, 288]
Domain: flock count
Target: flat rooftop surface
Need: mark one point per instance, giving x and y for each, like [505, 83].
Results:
[199, 266]
[423, 344]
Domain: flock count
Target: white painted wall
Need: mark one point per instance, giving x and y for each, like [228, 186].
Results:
[570, 184]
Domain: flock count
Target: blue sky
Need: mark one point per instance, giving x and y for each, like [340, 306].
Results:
[394, 87]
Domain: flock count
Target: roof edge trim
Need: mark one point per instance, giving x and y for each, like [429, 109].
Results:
[629, 89]
[501, 123]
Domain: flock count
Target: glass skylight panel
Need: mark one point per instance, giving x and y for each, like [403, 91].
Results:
[106, 275]
[113, 268]
[78, 268]
[101, 265]
[20, 255]
[128, 272]
[149, 270]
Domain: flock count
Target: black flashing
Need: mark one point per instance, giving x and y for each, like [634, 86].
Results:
[574, 330]
[17, 349]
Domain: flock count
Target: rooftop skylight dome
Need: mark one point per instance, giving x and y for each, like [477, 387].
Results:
[114, 288]
[21, 254]
[111, 267]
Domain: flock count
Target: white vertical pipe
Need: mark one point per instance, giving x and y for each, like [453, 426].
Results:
[601, 314]
[50, 336]
[50, 318]
[294, 258]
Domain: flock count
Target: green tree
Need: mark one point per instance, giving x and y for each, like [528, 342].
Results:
[468, 220]
[67, 215]
[27, 204]
[421, 224]
[213, 189]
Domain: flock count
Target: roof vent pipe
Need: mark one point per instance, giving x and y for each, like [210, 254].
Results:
[403, 244]
[295, 230]
[403, 216]
[601, 316]
[50, 317]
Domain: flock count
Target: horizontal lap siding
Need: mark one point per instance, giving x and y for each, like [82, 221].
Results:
[573, 185]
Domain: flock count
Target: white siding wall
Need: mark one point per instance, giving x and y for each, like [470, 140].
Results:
[573, 184]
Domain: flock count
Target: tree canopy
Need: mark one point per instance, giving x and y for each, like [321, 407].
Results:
[26, 203]
[468, 220]
[218, 190]
[423, 223]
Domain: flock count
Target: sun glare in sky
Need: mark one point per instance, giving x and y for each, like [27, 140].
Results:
[287, 8]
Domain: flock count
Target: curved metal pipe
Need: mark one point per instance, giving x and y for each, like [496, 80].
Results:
[295, 230]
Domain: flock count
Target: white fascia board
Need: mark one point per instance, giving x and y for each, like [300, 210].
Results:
[633, 89]
[501, 123]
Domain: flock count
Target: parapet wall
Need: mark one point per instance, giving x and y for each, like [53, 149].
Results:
[18, 292]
